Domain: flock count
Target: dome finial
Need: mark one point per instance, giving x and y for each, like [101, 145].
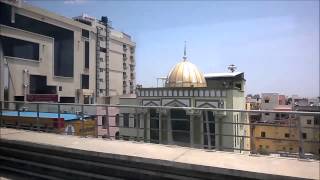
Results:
[185, 51]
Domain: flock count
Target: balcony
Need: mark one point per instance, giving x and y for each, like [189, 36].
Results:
[206, 146]
[132, 50]
[125, 48]
[132, 68]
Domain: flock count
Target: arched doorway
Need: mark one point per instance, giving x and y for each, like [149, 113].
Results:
[180, 127]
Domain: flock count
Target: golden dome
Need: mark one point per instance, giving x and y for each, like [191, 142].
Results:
[185, 74]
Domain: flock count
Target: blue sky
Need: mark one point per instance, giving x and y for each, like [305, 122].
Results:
[276, 43]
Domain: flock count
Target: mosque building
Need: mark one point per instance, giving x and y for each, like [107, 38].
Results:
[187, 86]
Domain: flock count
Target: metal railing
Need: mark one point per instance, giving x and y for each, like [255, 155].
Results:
[207, 128]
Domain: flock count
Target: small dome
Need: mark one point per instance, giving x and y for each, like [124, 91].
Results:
[185, 74]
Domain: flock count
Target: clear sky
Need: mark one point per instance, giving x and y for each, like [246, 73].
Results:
[276, 43]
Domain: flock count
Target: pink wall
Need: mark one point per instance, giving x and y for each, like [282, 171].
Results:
[112, 112]
[282, 99]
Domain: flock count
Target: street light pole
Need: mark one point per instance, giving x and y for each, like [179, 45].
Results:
[1, 74]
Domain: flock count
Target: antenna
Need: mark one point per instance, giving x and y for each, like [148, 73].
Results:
[185, 51]
[232, 68]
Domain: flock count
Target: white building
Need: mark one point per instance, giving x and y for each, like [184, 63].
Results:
[48, 57]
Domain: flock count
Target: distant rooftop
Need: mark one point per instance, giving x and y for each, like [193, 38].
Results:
[66, 117]
[226, 74]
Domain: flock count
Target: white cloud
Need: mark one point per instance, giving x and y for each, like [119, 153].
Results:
[74, 1]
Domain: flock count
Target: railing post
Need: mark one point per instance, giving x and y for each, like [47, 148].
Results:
[82, 121]
[301, 141]
[1, 113]
[169, 129]
[38, 120]
[145, 125]
[160, 128]
[18, 108]
[59, 111]
[191, 128]
[208, 129]
[137, 123]
[107, 118]
[252, 137]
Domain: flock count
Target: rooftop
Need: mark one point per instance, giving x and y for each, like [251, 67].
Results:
[239, 165]
[66, 117]
[226, 74]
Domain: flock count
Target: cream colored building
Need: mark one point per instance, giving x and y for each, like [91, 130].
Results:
[187, 86]
[48, 57]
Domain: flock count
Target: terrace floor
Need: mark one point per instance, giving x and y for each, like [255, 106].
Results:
[244, 164]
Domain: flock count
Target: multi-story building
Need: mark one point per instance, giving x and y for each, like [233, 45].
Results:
[281, 132]
[290, 134]
[115, 59]
[274, 101]
[186, 86]
[123, 74]
[48, 57]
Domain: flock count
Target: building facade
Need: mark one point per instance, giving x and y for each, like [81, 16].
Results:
[282, 132]
[186, 86]
[48, 57]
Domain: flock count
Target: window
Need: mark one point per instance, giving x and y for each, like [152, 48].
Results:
[60, 88]
[85, 33]
[291, 149]
[136, 121]
[124, 55]
[86, 99]
[286, 135]
[101, 69]
[63, 40]
[67, 99]
[263, 134]
[38, 85]
[260, 146]
[84, 81]
[117, 120]
[104, 122]
[18, 98]
[101, 59]
[86, 54]
[267, 114]
[316, 119]
[132, 49]
[304, 135]
[267, 146]
[238, 85]
[266, 101]
[309, 121]
[125, 119]
[101, 80]
[103, 49]
[19, 48]
[101, 91]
